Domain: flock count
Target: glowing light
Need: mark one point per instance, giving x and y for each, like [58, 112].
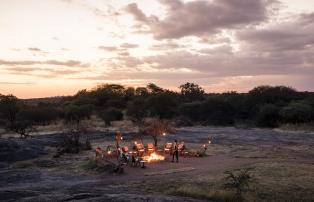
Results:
[154, 157]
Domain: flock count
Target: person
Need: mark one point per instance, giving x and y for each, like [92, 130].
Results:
[175, 151]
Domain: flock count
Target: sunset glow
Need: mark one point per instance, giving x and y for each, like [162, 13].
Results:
[57, 47]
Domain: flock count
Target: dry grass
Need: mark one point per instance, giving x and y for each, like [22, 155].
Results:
[305, 127]
[272, 181]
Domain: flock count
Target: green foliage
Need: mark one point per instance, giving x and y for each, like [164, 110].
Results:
[22, 127]
[141, 91]
[9, 107]
[273, 95]
[156, 128]
[109, 94]
[154, 89]
[40, 114]
[163, 105]
[111, 114]
[268, 116]
[192, 92]
[213, 111]
[74, 113]
[265, 106]
[136, 109]
[297, 112]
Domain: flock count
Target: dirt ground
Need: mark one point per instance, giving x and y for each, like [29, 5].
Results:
[281, 163]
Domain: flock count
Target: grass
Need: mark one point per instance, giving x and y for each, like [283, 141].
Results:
[271, 181]
[202, 192]
[93, 165]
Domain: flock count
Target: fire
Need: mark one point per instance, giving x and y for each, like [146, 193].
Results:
[154, 157]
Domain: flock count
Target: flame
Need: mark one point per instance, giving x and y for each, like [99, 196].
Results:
[154, 157]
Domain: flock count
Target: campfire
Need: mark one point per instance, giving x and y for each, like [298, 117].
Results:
[153, 157]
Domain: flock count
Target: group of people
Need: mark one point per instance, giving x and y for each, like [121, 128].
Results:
[175, 150]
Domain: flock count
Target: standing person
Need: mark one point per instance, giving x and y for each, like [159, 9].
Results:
[175, 151]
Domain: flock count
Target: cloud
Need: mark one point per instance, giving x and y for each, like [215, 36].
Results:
[69, 63]
[107, 48]
[41, 72]
[128, 45]
[202, 17]
[136, 12]
[16, 83]
[288, 36]
[166, 46]
[35, 49]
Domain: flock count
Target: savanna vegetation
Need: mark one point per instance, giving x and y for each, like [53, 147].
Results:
[263, 106]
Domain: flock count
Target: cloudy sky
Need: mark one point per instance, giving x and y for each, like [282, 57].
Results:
[56, 47]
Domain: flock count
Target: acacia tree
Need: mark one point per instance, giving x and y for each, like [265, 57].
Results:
[156, 128]
[192, 92]
[9, 106]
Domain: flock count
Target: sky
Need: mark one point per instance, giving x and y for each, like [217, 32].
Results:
[57, 47]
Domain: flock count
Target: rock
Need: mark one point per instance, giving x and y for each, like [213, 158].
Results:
[45, 163]
[19, 176]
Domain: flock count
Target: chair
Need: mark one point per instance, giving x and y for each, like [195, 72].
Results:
[125, 149]
[139, 147]
[150, 148]
[99, 152]
[168, 147]
[181, 147]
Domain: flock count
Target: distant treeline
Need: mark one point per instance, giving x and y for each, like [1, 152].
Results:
[263, 106]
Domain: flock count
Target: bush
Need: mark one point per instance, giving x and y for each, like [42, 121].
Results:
[77, 113]
[163, 105]
[268, 116]
[39, 114]
[217, 112]
[213, 111]
[297, 112]
[239, 182]
[97, 166]
[111, 114]
[136, 109]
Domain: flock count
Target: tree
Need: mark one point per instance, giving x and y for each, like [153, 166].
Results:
[74, 113]
[272, 95]
[22, 127]
[111, 114]
[141, 91]
[163, 105]
[154, 89]
[129, 93]
[297, 112]
[71, 141]
[268, 116]
[192, 92]
[39, 114]
[136, 109]
[109, 95]
[9, 106]
[156, 128]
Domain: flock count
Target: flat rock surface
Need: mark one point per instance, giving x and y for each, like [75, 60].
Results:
[29, 173]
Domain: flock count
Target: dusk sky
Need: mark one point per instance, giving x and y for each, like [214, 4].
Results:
[57, 47]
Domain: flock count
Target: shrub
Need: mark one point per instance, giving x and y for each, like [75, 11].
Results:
[74, 113]
[239, 182]
[268, 116]
[111, 114]
[297, 112]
